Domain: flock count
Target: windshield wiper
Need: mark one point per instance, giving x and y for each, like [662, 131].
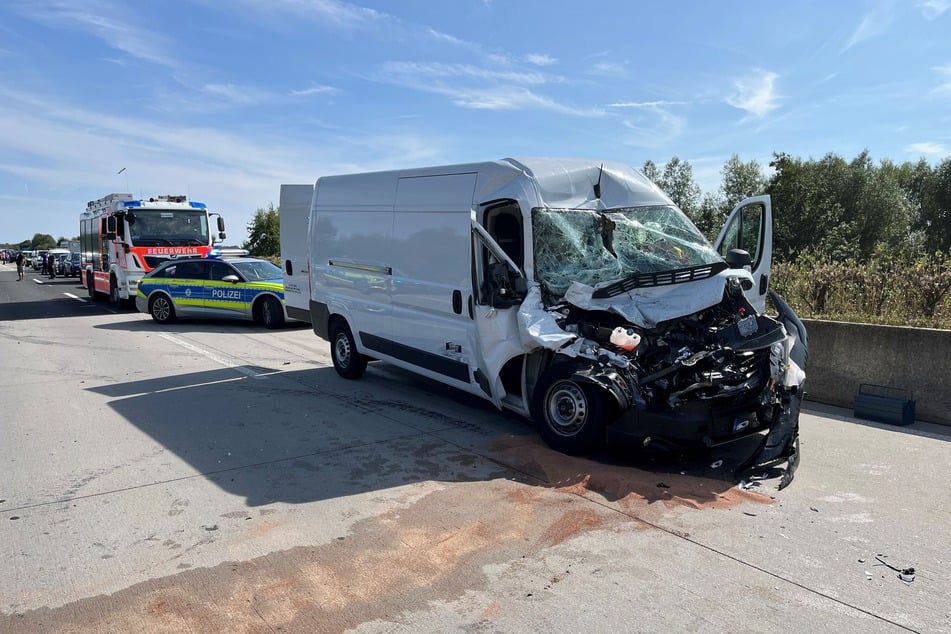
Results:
[607, 233]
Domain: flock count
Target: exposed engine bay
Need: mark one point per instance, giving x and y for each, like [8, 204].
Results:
[703, 379]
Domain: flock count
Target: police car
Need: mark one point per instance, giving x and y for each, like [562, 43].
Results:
[241, 288]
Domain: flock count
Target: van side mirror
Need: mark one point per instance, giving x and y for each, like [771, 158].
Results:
[738, 258]
[504, 287]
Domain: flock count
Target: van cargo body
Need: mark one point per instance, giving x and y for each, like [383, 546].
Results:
[571, 291]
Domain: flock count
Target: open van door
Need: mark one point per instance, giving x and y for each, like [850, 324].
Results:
[294, 216]
[750, 227]
[498, 290]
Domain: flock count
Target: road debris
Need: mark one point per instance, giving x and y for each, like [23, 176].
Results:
[907, 575]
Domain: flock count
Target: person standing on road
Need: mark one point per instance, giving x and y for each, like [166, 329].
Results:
[51, 262]
[19, 265]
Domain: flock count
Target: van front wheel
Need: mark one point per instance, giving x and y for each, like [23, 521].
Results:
[569, 414]
[348, 363]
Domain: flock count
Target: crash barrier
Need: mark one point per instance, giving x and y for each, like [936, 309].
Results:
[884, 404]
[844, 356]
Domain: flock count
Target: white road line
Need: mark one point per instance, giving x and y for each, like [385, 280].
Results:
[211, 355]
[82, 299]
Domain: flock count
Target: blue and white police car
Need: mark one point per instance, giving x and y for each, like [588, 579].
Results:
[239, 288]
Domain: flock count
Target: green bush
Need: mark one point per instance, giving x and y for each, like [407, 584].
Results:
[886, 289]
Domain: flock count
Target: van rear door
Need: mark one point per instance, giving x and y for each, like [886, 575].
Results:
[295, 214]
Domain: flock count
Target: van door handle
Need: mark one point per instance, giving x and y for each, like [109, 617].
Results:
[457, 302]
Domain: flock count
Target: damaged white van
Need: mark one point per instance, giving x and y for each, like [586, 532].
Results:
[571, 291]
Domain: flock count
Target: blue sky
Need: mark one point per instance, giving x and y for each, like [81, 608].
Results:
[224, 100]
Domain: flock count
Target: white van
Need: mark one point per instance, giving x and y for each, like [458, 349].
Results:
[571, 291]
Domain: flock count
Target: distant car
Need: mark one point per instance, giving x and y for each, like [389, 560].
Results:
[74, 265]
[240, 288]
[62, 264]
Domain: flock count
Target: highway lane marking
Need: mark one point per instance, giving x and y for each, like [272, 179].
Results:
[212, 356]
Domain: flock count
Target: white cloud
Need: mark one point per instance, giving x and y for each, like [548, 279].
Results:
[645, 104]
[448, 71]
[515, 98]
[755, 93]
[332, 11]
[608, 69]
[481, 88]
[927, 148]
[346, 15]
[241, 95]
[873, 24]
[103, 20]
[314, 90]
[932, 9]
[945, 71]
[650, 124]
[540, 59]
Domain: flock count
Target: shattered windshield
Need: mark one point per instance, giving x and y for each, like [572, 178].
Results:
[591, 247]
[161, 227]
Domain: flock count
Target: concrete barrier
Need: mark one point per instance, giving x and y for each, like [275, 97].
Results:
[844, 355]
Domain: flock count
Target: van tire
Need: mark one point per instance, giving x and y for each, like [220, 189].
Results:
[348, 363]
[570, 415]
[272, 313]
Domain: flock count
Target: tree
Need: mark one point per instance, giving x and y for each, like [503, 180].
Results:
[741, 180]
[650, 171]
[676, 180]
[43, 241]
[264, 233]
[936, 217]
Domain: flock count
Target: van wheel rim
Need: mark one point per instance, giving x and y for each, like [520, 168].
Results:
[342, 350]
[567, 408]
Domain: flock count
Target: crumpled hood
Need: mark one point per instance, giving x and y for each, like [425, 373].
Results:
[645, 307]
[648, 306]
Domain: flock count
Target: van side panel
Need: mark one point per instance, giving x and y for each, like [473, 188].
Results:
[351, 237]
[431, 260]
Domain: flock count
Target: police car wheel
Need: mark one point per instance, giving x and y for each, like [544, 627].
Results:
[348, 363]
[272, 315]
[161, 309]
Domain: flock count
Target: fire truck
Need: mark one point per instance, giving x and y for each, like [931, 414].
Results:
[122, 239]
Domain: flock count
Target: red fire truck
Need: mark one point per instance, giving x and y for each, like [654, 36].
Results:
[123, 238]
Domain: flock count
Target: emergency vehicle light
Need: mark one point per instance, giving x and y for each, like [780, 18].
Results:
[195, 205]
[222, 253]
[130, 203]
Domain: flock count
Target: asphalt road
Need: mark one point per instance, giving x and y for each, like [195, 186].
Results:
[219, 477]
